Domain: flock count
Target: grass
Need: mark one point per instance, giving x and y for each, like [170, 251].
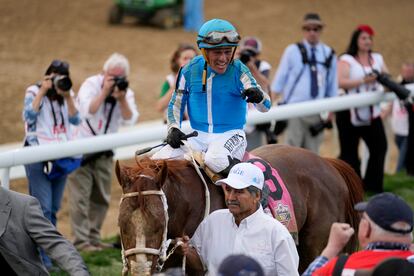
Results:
[402, 185]
[108, 262]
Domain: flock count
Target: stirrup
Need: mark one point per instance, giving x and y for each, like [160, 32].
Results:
[213, 176]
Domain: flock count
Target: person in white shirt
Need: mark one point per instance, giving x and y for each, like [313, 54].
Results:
[243, 228]
[105, 102]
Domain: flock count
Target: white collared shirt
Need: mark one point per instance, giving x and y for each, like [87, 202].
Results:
[258, 236]
[90, 89]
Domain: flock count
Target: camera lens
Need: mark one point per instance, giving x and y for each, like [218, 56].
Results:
[121, 83]
[62, 82]
[245, 56]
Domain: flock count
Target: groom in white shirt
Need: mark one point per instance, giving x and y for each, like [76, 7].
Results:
[243, 228]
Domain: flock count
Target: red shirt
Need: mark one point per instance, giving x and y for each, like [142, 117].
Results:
[364, 259]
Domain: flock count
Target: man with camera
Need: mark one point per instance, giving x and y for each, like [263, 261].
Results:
[307, 72]
[250, 50]
[105, 102]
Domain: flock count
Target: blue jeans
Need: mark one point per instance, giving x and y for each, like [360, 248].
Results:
[49, 193]
[402, 144]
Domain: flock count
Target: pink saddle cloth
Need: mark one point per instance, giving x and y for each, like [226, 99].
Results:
[279, 202]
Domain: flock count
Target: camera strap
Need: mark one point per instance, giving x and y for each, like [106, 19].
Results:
[367, 87]
[107, 121]
[305, 60]
[54, 116]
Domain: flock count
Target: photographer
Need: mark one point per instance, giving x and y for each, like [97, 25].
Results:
[306, 72]
[399, 110]
[48, 110]
[356, 74]
[248, 53]
[105, 102]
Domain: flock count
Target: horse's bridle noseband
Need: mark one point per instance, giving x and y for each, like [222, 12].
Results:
[162, 251]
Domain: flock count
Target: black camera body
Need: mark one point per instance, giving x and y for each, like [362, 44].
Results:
[121, 82]
[245, 55]
[319, 127]
[401, 92]
[62, 82]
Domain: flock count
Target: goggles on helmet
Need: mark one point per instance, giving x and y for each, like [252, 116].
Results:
[215, 37]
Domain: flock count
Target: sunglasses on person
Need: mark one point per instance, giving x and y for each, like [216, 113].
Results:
[215, 37]
[314, 29]
[60, 64]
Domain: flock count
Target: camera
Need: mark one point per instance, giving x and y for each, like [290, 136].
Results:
[121, 82]
[319, 127]
[245, 55]
[62, 82]
[401, 92]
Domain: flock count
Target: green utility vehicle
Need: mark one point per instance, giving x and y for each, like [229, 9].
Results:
[164, 13]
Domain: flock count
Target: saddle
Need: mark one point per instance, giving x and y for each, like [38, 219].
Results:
[199, 158]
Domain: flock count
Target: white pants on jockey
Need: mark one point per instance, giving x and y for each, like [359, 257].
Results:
[216, 146]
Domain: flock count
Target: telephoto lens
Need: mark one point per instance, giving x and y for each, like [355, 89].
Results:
[401, 92]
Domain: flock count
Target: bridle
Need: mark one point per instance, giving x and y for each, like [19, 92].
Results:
[162, 251]
[165, 243]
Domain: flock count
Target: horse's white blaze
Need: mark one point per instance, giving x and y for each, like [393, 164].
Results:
[140, 266]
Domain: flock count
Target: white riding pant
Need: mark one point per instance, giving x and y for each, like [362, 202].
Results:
[216, 146]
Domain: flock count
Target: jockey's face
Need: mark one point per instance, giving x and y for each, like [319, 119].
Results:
[240, 202]
[219, 58]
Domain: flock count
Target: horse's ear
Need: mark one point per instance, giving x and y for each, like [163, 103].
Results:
[162, 174]
[118, 172]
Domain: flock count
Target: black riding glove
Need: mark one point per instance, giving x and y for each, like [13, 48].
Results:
[174, 137]
[254, 95]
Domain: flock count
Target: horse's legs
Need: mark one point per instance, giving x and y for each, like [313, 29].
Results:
[311, 244]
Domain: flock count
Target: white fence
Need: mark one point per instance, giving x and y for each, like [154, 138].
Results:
[126, 143]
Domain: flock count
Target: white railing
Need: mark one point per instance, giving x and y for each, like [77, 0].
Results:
[154, 133]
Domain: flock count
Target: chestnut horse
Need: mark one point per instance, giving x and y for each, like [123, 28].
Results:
[323, 191]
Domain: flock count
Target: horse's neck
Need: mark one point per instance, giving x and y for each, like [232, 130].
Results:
[186, 202]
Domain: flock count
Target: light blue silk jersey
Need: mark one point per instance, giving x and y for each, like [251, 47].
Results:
[219, 107]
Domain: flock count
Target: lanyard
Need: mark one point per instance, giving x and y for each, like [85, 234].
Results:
[62, 124]
[107, 121]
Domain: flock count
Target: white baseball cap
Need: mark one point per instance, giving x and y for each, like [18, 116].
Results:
[242, 176]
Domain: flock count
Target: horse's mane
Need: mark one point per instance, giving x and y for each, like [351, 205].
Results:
[174, 166]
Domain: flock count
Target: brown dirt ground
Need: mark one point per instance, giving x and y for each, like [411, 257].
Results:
[35, 32]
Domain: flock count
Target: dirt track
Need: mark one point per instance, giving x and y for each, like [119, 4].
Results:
[35, 32]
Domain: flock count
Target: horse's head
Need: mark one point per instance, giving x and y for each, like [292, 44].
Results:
[143, 217]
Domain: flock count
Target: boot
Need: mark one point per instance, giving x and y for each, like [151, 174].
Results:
[232, 161]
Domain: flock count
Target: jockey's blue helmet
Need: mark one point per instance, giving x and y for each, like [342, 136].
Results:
[217, 33]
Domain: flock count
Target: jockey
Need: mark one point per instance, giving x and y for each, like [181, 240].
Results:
[214, 88]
